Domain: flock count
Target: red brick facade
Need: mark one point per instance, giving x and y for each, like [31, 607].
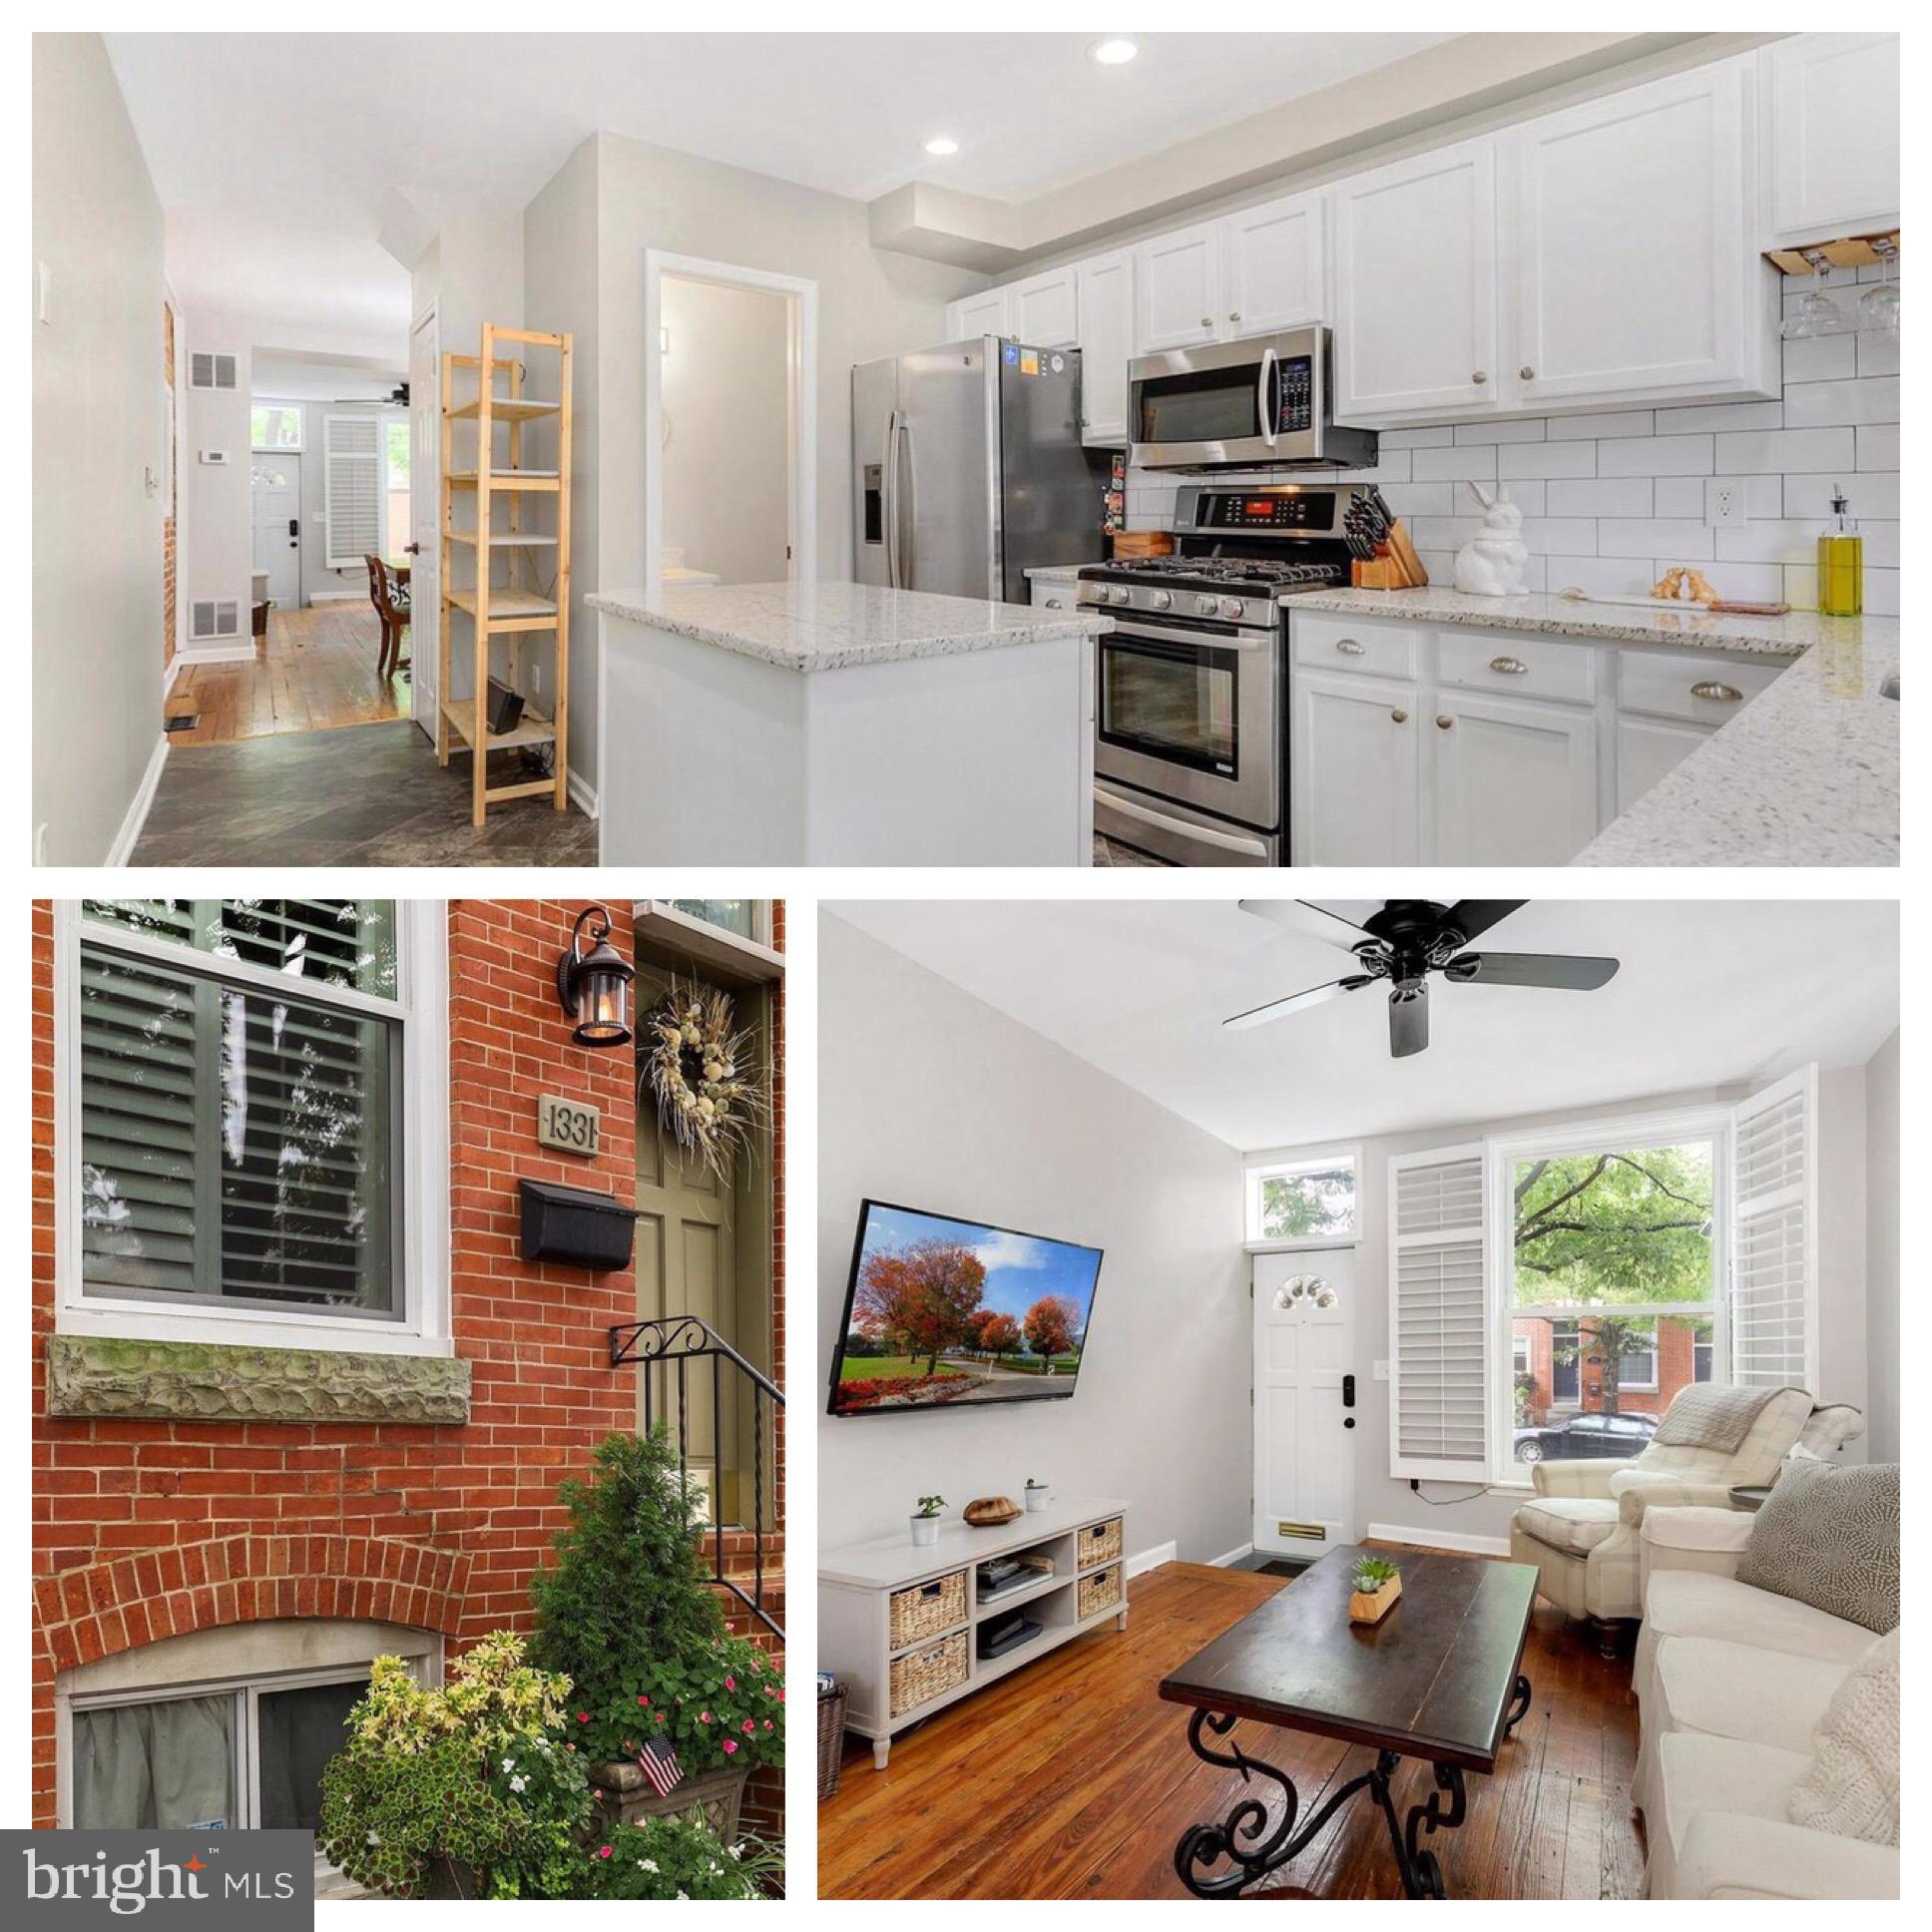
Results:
[1675, 1369]
[149, 1529]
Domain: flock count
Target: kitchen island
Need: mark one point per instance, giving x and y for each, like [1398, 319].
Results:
[842, 724]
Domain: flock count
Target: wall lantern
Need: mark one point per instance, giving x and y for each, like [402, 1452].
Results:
[592, 988]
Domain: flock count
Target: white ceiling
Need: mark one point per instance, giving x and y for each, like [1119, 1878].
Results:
[1708, 993]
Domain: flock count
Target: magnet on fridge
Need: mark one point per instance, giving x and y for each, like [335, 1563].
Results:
[1009, 353]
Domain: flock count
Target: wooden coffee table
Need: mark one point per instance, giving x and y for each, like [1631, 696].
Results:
[1439, 1678]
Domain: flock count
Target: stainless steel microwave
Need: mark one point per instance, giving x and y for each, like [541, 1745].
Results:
[1260, 403]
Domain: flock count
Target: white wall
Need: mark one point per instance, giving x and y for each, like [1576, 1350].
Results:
[725, 396]
[216, 535]
[1882, 1332]
[929, 1098]
[100, 430]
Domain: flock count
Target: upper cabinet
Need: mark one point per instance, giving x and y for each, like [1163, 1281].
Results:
[1661, 175]
[1415, 287]
[1271, 266]
[1106, 346]
[1045, 309]
[1180, 288]
[1830, 137]
[987, 313]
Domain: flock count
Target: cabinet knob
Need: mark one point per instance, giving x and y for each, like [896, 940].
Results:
[1509, 666]
[1052, 603]
[1401, 717]
[1234, 315]
[1481, 375]
[1207, 321]
[1725, 694]
[1443, 723]
[1527, 374]
[1350, 647]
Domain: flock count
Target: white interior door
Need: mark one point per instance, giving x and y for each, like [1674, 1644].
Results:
[276, 488]
[425, 588]
[1305, 1433]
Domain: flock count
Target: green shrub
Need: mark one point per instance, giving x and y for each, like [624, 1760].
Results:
[678, 1858]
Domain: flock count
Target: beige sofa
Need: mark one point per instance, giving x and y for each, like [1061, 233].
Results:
[1580, 1530]
[1731, 1683]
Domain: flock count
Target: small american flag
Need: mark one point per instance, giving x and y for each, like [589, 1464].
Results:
[659, 1762]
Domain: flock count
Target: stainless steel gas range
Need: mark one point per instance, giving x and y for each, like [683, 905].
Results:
[1190, 764]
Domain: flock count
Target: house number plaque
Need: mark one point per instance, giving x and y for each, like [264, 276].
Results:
[568, 1126]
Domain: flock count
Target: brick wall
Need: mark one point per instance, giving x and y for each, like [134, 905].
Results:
[1675, 1369]
[145, 1529]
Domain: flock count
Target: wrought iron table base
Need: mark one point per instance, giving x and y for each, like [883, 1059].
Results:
[1251, 1851]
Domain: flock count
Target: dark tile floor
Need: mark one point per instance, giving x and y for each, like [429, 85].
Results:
[367, 794]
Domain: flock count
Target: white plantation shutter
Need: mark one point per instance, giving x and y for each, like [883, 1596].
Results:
[1438, 1316]
[1775, 1235]
[351, 488]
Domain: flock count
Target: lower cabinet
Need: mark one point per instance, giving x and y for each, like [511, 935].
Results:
[1353, 771]
[1646, 749]
[1515, 784]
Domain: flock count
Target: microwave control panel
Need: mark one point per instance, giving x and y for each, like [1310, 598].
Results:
[1294, 413]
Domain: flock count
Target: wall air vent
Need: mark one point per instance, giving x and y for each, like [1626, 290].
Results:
[207, 370]
[215, 616]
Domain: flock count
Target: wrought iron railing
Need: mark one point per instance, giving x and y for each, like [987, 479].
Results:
[670, 1353]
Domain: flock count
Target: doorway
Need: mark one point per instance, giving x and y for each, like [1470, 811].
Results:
[1305, 1404]
[275, 490]
[731, 423]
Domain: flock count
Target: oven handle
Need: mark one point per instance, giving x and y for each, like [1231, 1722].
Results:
[1128, 628]
[1228, 841]
[1264, 400]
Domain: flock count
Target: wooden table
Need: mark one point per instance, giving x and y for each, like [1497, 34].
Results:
[1439, 1678]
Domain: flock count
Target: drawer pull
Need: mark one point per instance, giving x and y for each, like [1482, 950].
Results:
[1050, 603]
[1481, 375]
[1509, 667]
[1728, 693]
[1401, 717]
[1443, 723]
[1350, 647]
[1527, 374]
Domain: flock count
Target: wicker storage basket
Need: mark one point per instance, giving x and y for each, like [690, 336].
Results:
[925, 1610]
[923, 1674]
[1101, 1544]
[1100, 1591]
[831, 1739]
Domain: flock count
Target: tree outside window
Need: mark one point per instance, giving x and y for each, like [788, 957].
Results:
[1302, 1201]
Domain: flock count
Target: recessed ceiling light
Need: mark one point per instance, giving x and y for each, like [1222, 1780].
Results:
[1112, 52]
[942, 144]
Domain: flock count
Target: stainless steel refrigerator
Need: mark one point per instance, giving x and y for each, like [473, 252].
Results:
[968, 468]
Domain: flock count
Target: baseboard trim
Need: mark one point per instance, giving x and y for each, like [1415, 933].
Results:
[168, 676]
[125, 838]
[1475, 1546]
[243, 652]
[1232, 1556]
[582, 796]
[1144, 1560]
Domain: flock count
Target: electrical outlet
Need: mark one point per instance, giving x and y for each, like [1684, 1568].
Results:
[1723, 501]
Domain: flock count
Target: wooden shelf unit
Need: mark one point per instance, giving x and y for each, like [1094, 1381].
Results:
[521, 610]
[857, 1585]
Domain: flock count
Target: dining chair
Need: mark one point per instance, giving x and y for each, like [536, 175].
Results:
[391, 601]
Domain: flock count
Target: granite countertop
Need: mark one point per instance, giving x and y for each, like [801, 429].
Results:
[833, 627]
[1808, 774]
[1685, 625]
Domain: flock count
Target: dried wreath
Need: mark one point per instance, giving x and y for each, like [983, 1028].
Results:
[699, 1069]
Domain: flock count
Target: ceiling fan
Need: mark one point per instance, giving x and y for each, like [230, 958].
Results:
[1403, 941]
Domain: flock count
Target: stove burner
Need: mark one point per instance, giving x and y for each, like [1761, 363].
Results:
[1230, 572]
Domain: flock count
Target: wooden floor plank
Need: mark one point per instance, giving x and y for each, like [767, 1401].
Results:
[1071, 1779]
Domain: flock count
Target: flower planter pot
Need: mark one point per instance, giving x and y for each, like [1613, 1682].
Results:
[925, 1532]
[715, 1795]
[1037, 1499]
[448, 1878]
[1371, 1606]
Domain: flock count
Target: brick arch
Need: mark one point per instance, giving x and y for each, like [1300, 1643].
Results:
[122, 1602]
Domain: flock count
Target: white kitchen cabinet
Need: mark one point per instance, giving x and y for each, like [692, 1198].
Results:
[1353, 771]
[1415, 287]
[1830, 140]
[1271, 266]
[1660, 172]
[1179, 279]
[1053, 593]
[1105, 346]
[1646, 749]
[1513, 782]
[987, 313]
[1043, 310]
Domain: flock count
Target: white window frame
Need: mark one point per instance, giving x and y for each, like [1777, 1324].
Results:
[1255, 1167]
[421, 1324]
[1643, 1388]
[1711, 1347]
[300, 413]
[1503, 1151]
[1522, 1354]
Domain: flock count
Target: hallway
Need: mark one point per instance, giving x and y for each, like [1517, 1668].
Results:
[315, 671]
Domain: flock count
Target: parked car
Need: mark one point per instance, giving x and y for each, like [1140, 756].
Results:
[1586, 1435]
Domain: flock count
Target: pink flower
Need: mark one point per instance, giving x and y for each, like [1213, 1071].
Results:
[644, 1701]
[703, 1716]
[730, 1683]
[779, 1693]
[583, 1717]
[605, 1853]
[746, 1725]
[730, 1744]
[767, 1724]
[657, 1716]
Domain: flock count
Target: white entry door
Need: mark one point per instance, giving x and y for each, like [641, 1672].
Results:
[426, 528]
[276, 487]
[1304, 1339]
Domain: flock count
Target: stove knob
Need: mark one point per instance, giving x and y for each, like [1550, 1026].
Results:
[1161, 601]
[1230, 607]
[1119, 594]
[1204, 607]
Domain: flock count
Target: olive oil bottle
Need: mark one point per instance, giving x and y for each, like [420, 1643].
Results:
[1842, 565]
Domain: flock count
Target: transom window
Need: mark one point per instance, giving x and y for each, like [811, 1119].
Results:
[1308, 1202]
[275, 425]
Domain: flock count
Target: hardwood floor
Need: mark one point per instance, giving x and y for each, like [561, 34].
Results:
[1072, 1779]
[314, 672]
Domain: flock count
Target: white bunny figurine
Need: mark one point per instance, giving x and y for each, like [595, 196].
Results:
[1492, 565]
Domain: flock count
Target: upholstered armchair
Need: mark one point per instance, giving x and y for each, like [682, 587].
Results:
[1580, 1530]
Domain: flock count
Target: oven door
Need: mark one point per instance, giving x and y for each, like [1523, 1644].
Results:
[1248, 404]
[1192, 712]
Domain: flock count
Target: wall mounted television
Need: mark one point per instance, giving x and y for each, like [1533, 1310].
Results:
[945, 1314]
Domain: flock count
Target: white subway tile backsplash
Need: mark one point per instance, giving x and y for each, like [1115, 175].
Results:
[1595, 428]
[1877, 354]
[1824, 358]
[1680, 539]
[1602, 576]
[1448, 465]
[1881, 593]
[1867, 399]
[1412, 500]
[1784, 450]
[1548, 459]
[1684, 418]
[1501, 432]
[1417, 438]
[1560, 536]
[1791, 542]
[1680, 496]
[1656, 456]
[1872, 493]
[1616, 496]
[1877, 446]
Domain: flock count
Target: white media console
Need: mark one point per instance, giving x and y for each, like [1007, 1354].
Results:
[900, 1624]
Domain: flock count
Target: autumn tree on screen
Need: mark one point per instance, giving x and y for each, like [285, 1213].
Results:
[921, 1298]
[1050, 1326]
[997, 1335]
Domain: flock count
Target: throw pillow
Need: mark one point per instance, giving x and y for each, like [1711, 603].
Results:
[1851, 1790]
[1829, 1537]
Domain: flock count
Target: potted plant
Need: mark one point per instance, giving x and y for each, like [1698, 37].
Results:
[1037, 1493]
[1375, 1585]
[678, 1858]
[925, 1521]
[468, 1791]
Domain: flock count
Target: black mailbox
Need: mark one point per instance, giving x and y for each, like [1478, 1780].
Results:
[573, 1225]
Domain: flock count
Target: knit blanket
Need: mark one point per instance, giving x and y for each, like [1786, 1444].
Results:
[1703, 1417]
